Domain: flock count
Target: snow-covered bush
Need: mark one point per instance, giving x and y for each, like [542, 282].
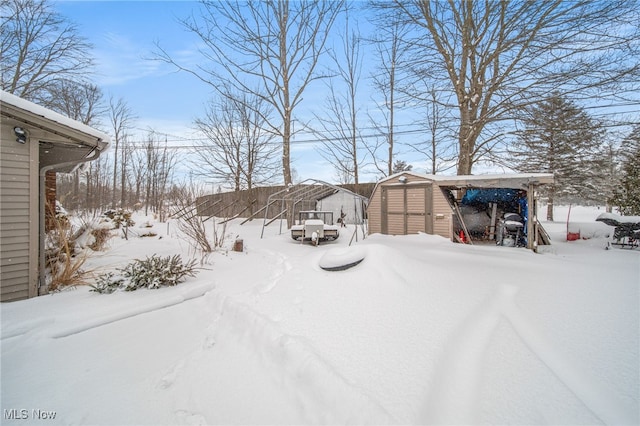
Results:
[99, 238]
[153, 272]
[107, 283]
[63, 259]
[156, 272]
[120, 217]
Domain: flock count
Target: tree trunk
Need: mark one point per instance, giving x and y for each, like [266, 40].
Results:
[123, 177]
[286, 154]
[467, 145]
[115, 174]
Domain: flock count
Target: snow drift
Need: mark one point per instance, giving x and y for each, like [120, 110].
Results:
[420, 331]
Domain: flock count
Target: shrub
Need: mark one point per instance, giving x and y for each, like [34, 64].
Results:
[107, 283]
[63, 263]
[120, 217]
[100, 238]
[153, 272]
[66, 270]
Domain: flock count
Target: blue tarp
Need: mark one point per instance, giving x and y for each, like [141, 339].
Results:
[496, 195]
[510, 200]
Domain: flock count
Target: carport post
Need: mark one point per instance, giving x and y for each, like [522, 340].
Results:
[532, 216]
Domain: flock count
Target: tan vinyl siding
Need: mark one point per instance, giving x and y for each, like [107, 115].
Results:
[394, 206]
[404, 208]
[407, 203]
[20, 164]
[442, 214]
[417, 205]
[18, 216]
[395, 225]
[416, 209]
[410, 178]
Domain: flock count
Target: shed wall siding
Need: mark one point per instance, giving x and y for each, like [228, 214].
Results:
[18, 215]
[394, 211]
[425, 208]
[400, 208]
[442, 213]
[416, 209]
[374, 213]
[388, 217]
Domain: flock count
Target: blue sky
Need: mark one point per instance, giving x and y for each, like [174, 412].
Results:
[123, 34]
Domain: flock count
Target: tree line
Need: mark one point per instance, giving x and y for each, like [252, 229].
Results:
[500, 84]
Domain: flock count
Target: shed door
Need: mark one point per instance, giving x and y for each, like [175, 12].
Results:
[406, 210]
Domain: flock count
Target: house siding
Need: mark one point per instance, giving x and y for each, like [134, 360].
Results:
[18, 204]
[20, 184]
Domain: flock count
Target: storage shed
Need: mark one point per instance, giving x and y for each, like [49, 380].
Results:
[462, 208]
[35, 142]
[309, 195]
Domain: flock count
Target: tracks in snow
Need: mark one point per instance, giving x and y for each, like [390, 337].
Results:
[282, 266]
[454, 394]
[315, 389]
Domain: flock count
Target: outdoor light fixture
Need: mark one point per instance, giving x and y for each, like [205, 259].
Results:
[402, 179]
[21, 134]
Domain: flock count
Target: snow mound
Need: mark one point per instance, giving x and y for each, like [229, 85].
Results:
[341, 258]
[613, 219]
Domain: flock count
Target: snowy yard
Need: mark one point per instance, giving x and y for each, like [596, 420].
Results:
[421, 331]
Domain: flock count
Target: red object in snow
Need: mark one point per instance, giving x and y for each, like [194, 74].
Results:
[573, 236]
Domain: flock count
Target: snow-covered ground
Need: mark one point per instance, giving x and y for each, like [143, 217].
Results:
[421, 331]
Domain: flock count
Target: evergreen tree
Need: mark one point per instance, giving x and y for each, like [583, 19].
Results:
[561, 138]
[631, 144]
[401, 166]
[626, 196]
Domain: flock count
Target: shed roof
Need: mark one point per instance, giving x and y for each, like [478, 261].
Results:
[507, 180]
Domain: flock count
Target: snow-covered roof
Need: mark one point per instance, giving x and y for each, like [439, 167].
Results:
[101, 139]
[505, 180]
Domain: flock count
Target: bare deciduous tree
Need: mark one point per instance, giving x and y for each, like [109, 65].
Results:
[138, 172]
[241, 151]
[390, 52]
[437, 149]
[339, 127]
[82, 102]
[97, 184]
[39, 47]
[121, 118]
[160, 163]
[498, 57]
[275, 44]
[189, 222]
